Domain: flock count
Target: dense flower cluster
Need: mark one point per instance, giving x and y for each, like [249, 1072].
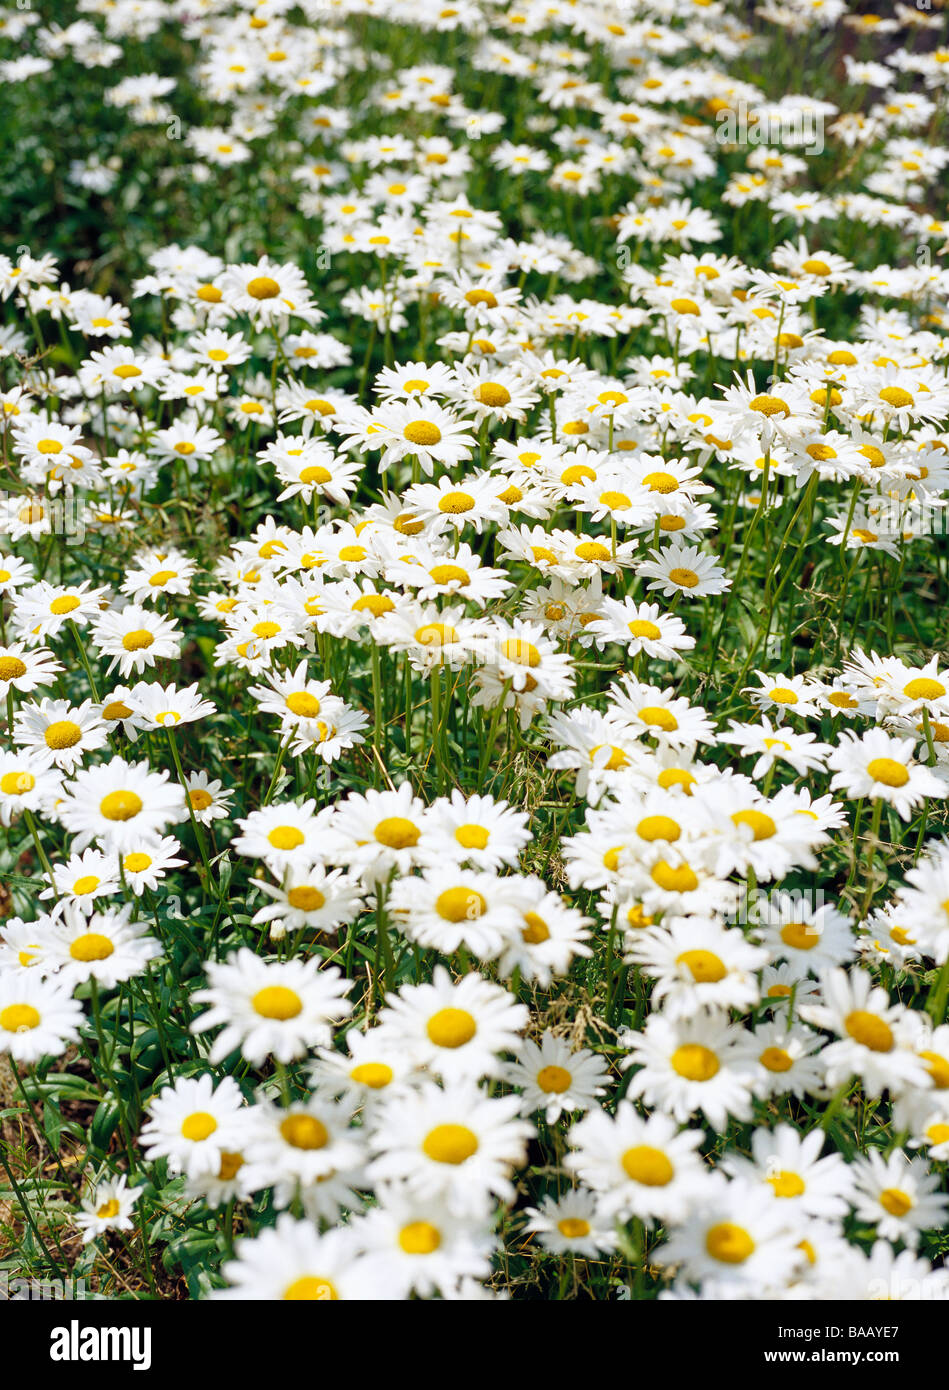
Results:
[477, 728]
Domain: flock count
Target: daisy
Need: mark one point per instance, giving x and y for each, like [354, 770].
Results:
[637, 1167]
[286, 835]
[82, 879]
[455, 1030]
[458, 1146]
[310, 896]
[790, 1164]
[738, 1235]
[877, 765]
[147, 862]
[554, 1078]
[697, 964]
[274, 1009]
[381, 831]
[164, 706]
[898, 1195]
[291, 1260]
[450, 907]
[550, 934]
[24, 670]
[26, 784]
[571, 1224]
[873, 1035]
[119, 804]
[135, 638]
[640, 627]
[690, 1065]
[477, 830]
[422, 1246]
[786, 1060]
[106, 947]
[107, 1207]
[38, 1018]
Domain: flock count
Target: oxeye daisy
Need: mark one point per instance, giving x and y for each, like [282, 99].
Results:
[640, 627]
[24, 670]
[455, 1030]
[873, 1038]
[158, 573]
[477, 830]
[877, 765]
[147, 862]
[81, 880]
[106, 947]
[775, 744]
[192, 1123]
[791, 1165]
[310, 897]
[380, 831]
[164, 706]
[555, 1078]
[38, 1017]
[119, 804]
[811, 938]
[134, 638]
[684, 570]
[572, 1223]
[107, 1207]
[688, 1065]
[549, 935]
[786, 1060]
[24, 946]
[302, 1143]
[206, 798]
[785, 694]
[637, 1167]
[739, 1235]
[898, 1195]
[44, 609]
[459, 1146]
[286, 834]
[274, 1009]
[27, 783]
[450, 907]
[373, 1067]
[422, 1246]
[292, 1261]
[697, 963]
[58, 732]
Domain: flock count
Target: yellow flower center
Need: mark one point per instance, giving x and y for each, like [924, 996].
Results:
[685, 578]
[17, 783]
[277, 1002]
[681, 879]
[888, 771]
[460, 905]
[450, 1144]
[553, 1079]
[661, 717]
[895, 1201]
[492, 393]
[302, 703]
[769, 405]
[786, 1184]
[451, 1028]
[705, 967]
[263, 287]
[310, 1287]
[869, 1030]
[304, 1132]
[92, 945]
[286, 837]
[422, 432]
[420, 1238]
[395, 832]
[647, 1165]
[121, 805]
[730, 1244]
[200, 1125]
[375, 1075]
[776, 1059]
[536, 931]
[800, 936]
[896, 397]
[19, 1018]
[642, 627]
[694, 1062]
[138, 640]
[761, 826]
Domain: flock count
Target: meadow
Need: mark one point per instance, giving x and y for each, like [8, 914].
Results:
[474, 666]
